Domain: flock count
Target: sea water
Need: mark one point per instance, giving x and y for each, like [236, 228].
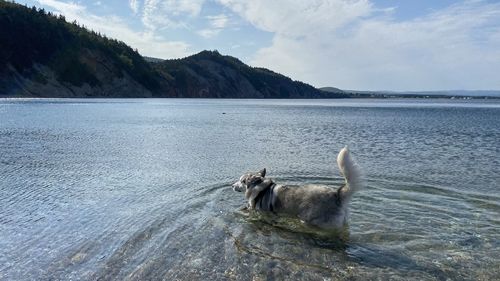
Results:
[139, 189]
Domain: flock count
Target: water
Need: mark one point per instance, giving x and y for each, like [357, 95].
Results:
[140, 189]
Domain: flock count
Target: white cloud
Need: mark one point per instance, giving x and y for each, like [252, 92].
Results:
[353, 44]
[170, 13]
[216, 25]
[218, 21]
[134, 5]
[63, 6]
[297, 17]
[148, 43]
[208, 33]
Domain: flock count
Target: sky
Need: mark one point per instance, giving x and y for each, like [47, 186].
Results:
[395, 45]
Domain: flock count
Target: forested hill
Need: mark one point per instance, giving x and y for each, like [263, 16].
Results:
[42, 55]
[210, 74]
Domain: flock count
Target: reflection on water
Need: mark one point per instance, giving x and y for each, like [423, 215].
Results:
[140, 189]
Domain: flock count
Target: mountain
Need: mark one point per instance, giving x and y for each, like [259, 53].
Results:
[210, 74]
[42, 55]
[331, 89]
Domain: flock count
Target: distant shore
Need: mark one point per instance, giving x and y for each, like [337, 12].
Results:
[353, 97]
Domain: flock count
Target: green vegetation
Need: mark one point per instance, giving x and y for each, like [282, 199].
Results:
[210, 74]
[31, 35]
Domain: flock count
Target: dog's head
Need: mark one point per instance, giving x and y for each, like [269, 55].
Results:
[249, 181]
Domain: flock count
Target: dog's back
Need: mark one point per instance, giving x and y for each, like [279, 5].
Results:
[321, 205]
[316, 205]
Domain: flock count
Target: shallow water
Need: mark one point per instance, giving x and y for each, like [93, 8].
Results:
[140, 189]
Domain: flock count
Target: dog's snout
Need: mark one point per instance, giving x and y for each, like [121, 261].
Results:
[237, 186]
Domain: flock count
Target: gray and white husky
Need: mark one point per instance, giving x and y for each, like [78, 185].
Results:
[315, 205]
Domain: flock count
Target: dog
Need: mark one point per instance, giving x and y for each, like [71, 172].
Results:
[315, 205]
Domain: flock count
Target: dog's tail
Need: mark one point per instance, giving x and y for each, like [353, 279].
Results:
[351, 172]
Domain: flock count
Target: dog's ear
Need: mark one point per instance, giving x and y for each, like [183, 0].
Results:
[262, 172]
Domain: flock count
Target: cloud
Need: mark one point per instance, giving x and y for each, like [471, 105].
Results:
[208, 33]
[297, 17]
[134, 5]
[218, 21]
[148, 43]
[216, 24]
[170, 13]
[356, 45]
[63, 6]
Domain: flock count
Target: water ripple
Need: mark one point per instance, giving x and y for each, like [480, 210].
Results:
[140, 190]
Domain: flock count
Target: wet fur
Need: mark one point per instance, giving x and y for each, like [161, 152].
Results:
[316, 205]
